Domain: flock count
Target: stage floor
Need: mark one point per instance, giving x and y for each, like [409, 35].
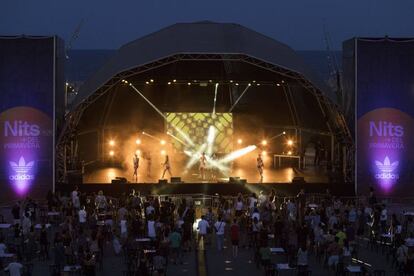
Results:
[282, 175]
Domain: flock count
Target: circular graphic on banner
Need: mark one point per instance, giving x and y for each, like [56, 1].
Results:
[26, 140]
[384, 149]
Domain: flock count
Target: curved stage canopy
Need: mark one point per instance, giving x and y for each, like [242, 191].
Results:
[264, 83]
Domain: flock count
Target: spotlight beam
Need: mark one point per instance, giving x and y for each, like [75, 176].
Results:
[238, 99]
[195, 156]
[151, 136]
[177, 139]
[215, 99]
[236, 154]
[277, 135]
[160, 113]
[210, 139]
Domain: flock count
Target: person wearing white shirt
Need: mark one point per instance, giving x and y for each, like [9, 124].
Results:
[14, 268]
[2, 248]
[124, 228]
[239, 207]
[151, 229]
[202, 227]
[252, 201]
[256, 214]
[219, 227]
[82, 215]
[75, 193]
[149, 210]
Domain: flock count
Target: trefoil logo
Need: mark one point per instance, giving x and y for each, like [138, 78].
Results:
[386, 169]
[22, 169]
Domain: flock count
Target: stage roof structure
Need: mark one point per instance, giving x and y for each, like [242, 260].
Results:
[200, 38]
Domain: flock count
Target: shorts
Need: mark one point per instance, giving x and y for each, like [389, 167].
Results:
[235, 242]
[333, 260]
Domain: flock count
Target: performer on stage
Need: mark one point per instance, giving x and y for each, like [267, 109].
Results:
[203, 164]
[213, 169]
[166, 166]
[260, 166]
[149, 164]
[135, 160]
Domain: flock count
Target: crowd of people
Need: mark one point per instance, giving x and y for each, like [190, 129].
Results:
[151, 233]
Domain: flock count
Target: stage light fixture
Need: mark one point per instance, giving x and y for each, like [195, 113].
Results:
[239, 141]
[163, 152]
[67, 84]
[189, 83]
[162, 142]
[143, 132]
[112, 143]
[169, 83]
[249, 84]
[138, 152]
[264, 153]
[289, 153]
[284, 132]
[147, 82]
[277, 84]
[151, 80]
[264, 142]
[174, 80]
[290, 142]
[210, 80]
[283, 81]
[138, 141]
[237, 84]
[258, 84]
[253, 81]
[231, 81]
[111, 153]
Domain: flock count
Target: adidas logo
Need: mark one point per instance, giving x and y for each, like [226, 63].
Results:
[386, 166]
[21, 167]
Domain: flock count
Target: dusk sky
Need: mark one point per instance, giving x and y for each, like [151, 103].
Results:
[298, 23]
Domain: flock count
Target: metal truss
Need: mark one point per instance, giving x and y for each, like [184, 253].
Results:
[66, 144]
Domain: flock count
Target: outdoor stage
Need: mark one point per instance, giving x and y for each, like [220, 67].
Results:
[315, 181]
[282, 175]
[232, 100]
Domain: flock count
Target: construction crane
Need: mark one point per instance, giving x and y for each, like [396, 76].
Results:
[75, 35]
[334, 69]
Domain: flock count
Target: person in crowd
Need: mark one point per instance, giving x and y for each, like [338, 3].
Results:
[202, 228]
[14, 267]
[260, 166]
[333, 251]
[219, 227]
[175, 246]
[235, 237]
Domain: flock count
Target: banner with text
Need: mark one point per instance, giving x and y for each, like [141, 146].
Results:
[27, 74]
[385, 116]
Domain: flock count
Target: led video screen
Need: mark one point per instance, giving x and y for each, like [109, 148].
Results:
[201, 128]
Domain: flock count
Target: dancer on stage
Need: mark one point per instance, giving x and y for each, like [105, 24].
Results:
[149, 164]
[260, 166]
[213, 169]
[203, 164]
[135, 160]
[166, 166]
